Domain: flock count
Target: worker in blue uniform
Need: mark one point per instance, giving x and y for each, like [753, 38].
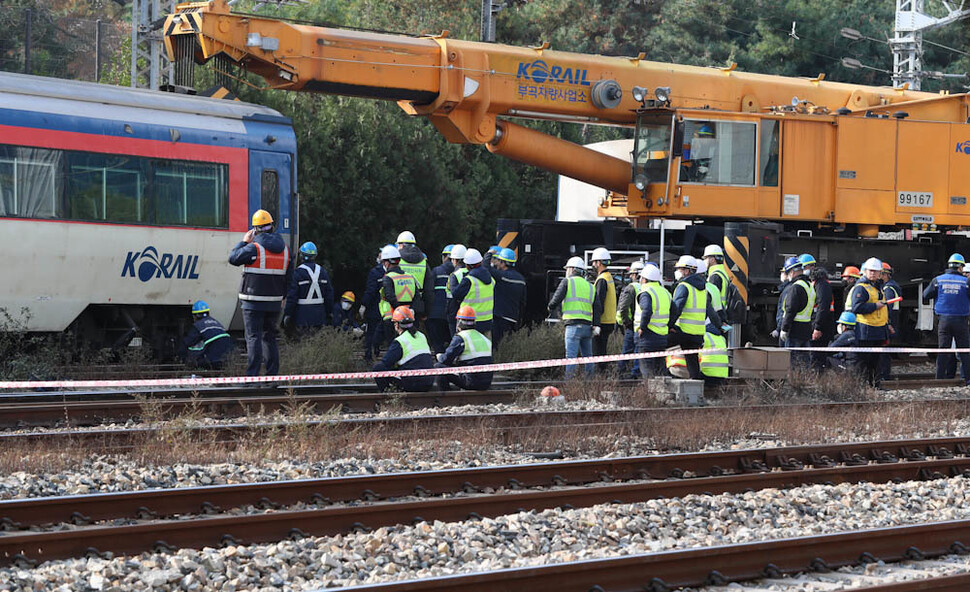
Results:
[509, 294]
[309, 299]
[267, 267]
[344, 315]
[468, 348]
[951, 290]
[370, 310]
[846, 338]
[207, 343]
[892, 290]
[437, 323]
[872, 317]
[408, 351]
[823, 317]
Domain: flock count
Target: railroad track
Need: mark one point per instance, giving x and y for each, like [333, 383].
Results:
[362, 503]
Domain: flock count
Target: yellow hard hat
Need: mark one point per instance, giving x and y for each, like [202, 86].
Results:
[262, 218]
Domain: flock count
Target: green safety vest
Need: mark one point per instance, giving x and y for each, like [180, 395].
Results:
[693, 318]
[405, 288]
[720, 270]
[636, 296]
[415, 270]
[476, 345]
[805, 314]
[458, 274]
[715, 295]
[660, 309]
[578, 303]
[412, 346]
[481, 297]
[715, 364]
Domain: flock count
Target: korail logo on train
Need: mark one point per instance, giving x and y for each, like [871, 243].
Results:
[147, 265]
[964, 147]
[540, 72]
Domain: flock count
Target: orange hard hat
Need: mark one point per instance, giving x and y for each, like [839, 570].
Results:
[403, 315]
[466, 313]
[348, 296]
[550, 391]
[851, 271]
[887, 267]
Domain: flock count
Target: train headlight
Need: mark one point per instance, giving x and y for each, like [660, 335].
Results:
[640, 182]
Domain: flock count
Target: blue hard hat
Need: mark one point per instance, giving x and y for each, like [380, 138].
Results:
[791, 263]
[957, 258]
[507, 255]
[705, 130]
[847, 318]
[447, 250]
[806, 259]
[309, 249]
[494, 249]
[200, 307]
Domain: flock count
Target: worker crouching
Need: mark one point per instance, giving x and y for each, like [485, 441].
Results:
[408, 351]
[468, 347]
[207, 344]
[846, 338]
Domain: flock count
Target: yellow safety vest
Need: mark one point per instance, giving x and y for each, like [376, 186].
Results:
[412, 346]
[578, 303]
[415, 270]
[878, 317]
[659, 309]
[715, 364]
[636, 296]
[476, 345]
[481, 297]
[405, 287]
[805, 314]
[458, 274]
[693, 318]
[609, 304]
[720, 270]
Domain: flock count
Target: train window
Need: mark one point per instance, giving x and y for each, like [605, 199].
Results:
[719, 153]
[192, 194]
[270, 200]
[107, 187]
[768, 164]
[28, 182]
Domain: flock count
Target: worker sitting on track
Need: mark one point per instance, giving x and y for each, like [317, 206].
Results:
[846, 338]
[467, 348]
[626, 305]
[207, 343]
[408, 351]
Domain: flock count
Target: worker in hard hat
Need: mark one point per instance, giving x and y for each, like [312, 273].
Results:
[370, 310]
[207, 343]
[409, 350]
[951, 291]
[698, 153]
[397, 288]
[651, 319]
[625, 308]
[415, 263]
[437, 323]
[575, 295]
[797, 305]
[690, 311]
[715, 365]
[850, 275]
[344, 315]
[846, 338]
[892, 291]
[872, 316]
[823, 318]
[714, 294]
[604, 303]
[717, 273]
[458, 260]
[467, 348]
[510, 293]
[266, 264]
[477, 290]
[783, 283]
[309, 300]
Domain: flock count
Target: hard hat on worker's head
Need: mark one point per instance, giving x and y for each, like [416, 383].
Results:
[872, 264]
[403, 315]
[458, 252]
[705, 130]
[651, 273]
[701, 266]
[465, 313]
[851, 271]
[600, 254]
[348, 296]
[576, 263]
[792, 263]
[956, 260]
[686, 261]
[507, 255]
[494, 249]
[805, 259]
[261, 218]
[847, 318]
[713, 251]
[200, 307]
[308, 250]
[447, 250]
[390, 253]
[636, 266]
[887, 267]
[473, 257]
[406, 237]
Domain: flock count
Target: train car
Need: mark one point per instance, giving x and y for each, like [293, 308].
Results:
[118, 206]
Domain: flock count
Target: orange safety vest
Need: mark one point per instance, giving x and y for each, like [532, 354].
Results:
[264, 280]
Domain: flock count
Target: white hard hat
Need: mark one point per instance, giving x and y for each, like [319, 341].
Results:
[686, 261]
[651, 273]
[472, 256]
[600, 254]
[701, 266]
[713, 250]
[636, 266]
[576, 262]
[872, 264]
[406, 237]
[458, 251]
[390, 252]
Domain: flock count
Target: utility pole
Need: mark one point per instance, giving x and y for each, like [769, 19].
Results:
[907, 42]
[27, 35]
[490, 8]
[149, 67]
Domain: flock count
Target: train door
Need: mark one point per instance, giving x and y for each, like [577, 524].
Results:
[271, 189]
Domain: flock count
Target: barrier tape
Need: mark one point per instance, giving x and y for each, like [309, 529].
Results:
[296, 378]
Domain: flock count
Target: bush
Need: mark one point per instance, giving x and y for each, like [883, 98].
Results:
[539, 342]
[326, 350]
[24, 356]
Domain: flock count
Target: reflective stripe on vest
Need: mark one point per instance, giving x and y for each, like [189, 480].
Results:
[578, 303]
[715, 364]
[415, 270]
[693, 318]
[476, 345]
[848, 298]
[659, 309]
[720, 271]
[805, 314]
[878, 317]
[404, 290]
[891, 291]
[267, 262]
[458, 274]
[609, 303]
[481, 297]
[385, 308]
[412, 346]
[256, 286]
[636, 296]
[314, 294]
[674, 360]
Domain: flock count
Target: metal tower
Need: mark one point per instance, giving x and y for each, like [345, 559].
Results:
[907, 42]
[149, 66]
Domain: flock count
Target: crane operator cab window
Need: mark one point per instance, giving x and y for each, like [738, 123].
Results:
[718, 152]
[651, 151]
